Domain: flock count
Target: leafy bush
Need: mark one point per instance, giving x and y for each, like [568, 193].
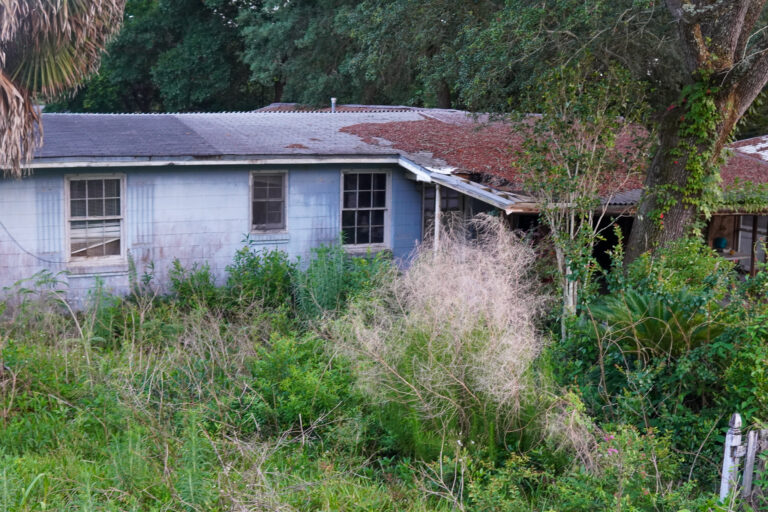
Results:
[260, 277]
[686, 264]
[332, 277]
[293, 385]
[193, 287]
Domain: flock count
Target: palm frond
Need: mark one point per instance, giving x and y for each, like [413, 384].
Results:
[46, 48]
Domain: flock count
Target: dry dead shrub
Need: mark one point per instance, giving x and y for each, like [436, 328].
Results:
[454, 335]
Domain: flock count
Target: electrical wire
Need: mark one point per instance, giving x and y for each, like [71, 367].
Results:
[28, 252]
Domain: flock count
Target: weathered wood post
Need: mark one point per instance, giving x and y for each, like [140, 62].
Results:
[733, 452]
[749, 464]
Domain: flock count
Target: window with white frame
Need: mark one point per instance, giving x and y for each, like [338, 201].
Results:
[364, 206]
[268, 202]
[95, 217]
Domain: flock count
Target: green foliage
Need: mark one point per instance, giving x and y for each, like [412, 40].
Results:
[263, 277]
[293, 386]
[171, 56]
[745, 196]
[696, 148]
[633, 470]
[675, 345]
[193, 479]
[686, 264]
[644, 324]
[193, 287]
[332, 277]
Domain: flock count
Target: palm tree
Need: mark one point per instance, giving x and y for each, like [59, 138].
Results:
[47, 47]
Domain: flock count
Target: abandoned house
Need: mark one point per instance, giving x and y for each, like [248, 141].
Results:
[108, 192]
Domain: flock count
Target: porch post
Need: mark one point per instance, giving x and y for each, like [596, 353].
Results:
[436, 243]
[753, 259]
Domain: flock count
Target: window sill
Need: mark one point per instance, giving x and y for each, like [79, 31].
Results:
[97, 266]
[269, 237]
[363, 250]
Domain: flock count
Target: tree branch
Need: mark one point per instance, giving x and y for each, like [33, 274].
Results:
[750, 19]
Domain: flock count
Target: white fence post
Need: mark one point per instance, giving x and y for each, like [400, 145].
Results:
[733, 452]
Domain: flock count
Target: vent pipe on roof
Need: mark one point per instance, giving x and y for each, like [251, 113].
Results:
[333, 105]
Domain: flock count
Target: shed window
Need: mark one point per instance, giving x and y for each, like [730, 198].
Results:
[364, 205]
[268, 202]
[95, 217]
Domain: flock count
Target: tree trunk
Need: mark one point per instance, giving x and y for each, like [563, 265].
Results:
[443, 95]
[278, 91]
[656, 224]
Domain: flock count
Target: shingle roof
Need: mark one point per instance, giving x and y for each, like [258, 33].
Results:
[68, 136]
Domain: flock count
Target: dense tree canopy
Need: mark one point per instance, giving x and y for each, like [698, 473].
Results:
[172, 55]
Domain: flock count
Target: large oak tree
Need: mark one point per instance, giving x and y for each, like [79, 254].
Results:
[725, 57]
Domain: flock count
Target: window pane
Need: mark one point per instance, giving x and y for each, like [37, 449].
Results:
[275, 218]
[364, 218]
[364, 182]
[95, 238]
[275, 192]
[77, 189]
[111, 188]
[259, 192]
[95, 189]
[379, 199]
[259, 213]
[95, 207]
[348, 235]
[377, 217]
[112, 207]
[377, 235]
[347, 219]
[364, 199]
[260, 181]
[350, 181]
[379, 181]
[350, 200]
[274, 206]
[77, 208]
[363, 235]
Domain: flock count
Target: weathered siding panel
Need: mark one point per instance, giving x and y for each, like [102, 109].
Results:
[195, 215]
[406, 215]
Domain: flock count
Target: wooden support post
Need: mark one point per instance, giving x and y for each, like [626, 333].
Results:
[753, 260]
[436, 242]
[730, 477]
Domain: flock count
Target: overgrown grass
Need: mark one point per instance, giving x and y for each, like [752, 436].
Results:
[342, 384]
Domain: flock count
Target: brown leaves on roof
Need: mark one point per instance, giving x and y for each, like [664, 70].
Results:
[296, 146]
[487, 149]
[745, 168]
[469, 147]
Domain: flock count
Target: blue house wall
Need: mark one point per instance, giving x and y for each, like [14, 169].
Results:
[193, 214]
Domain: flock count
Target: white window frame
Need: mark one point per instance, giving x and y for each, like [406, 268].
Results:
[94, 260]
[251, 175]
[387, 209]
